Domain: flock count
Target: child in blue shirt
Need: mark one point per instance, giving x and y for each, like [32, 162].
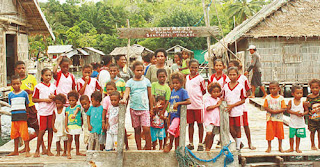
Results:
[179, 96]
[141, 104]
[94, 118]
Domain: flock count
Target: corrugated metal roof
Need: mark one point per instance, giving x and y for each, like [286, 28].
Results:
[58, 49]
[95, 50]
[83, 52]
[182, 48]
[72, 53]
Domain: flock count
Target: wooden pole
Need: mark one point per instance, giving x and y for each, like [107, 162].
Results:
[128, 46]
[235, 42]
[183, 126]
[207, 21]
[224, 125]
[121, 133]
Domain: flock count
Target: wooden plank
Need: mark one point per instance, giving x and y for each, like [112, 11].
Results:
[168, 32]
[121, 133]
[224, 125]
[183, 125]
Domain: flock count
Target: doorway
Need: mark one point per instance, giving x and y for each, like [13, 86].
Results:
[11, 54]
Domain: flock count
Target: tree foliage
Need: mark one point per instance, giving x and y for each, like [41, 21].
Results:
[87, 24]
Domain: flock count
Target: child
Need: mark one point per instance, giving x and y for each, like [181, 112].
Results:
[87, 85]
[157, 123]
[148, 61]
[73, 122]
[64, 81]
[243, 80]
[112, 121]
[58, 123]
[196, 88]
[161, 88]
[44, 94]
[185, 63]
[275, 105]
[212, 113]
[19, 101]
[297, 110]
[312, 100]
[179, 96]
[219, 76]
[96, 70]
[85, 104]
[235, 95]
[94, 118]
[120, 84]
[177, 62]
[141, 104]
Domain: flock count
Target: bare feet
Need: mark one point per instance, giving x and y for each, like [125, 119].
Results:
[44, 152]
[314, 148]
[280, 150]
[69, 156]
[23, 150]
[58, 154]
[36, 155]
[268, 150]
[13, 154]
[252, 147]
[64, 154]
[80, 154]
[50, 153]
[28, 154]
[290, 150]
[167, 148]
[298, 151]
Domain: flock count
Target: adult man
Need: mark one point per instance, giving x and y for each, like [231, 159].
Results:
[256, 67]
[28, 84]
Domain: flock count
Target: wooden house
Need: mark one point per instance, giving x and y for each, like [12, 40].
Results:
[286, 34]
[136, 52]
[95, 55]
[18, 19]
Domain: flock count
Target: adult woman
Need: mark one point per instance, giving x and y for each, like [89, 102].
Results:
[161, 56]
[124, 72]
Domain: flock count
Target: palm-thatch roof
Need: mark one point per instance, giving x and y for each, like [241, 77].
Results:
[280, 18]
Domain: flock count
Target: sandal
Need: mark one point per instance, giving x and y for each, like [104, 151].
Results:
[190, 147]
[200, 148]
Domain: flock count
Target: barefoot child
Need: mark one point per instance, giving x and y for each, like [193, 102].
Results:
[112, 121]
[141, 104]
[179, 96]
[212, 113]
[243, 80]
[94, 119]
[44, 95]
[120, 83]
[219, 76]
[73, 122]
[297, 110]
[313, 100]
[19, 100]
[64, 81]
[157, 123]
[85, 104]
[275, 106]
[161, 88]
[58, 123]
[235, 96]
[196, 88]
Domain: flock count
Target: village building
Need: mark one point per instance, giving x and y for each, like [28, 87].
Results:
[286, 34]
[136, 52]
[18, 19]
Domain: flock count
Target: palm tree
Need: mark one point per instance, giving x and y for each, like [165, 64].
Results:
[242, 9]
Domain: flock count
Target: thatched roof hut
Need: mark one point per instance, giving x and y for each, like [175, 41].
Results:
[286, 34]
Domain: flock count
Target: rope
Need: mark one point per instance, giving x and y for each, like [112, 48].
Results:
[202, 16]
[187, 160]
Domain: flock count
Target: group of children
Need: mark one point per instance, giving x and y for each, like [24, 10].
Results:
[70, 107]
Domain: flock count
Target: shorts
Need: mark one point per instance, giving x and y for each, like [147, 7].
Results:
[274, 129]
[59, 138]
[244, 119]
[213, 129]
[235, 121]
[299, 132]
[32, 118]
[140, 118]
[111, 141]
[45, 122]
[157, 133]
[194, 116]
[95, 141]
[313, 125]
[256, 79]
[19, 129]
[74, 130]
[174, 128]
